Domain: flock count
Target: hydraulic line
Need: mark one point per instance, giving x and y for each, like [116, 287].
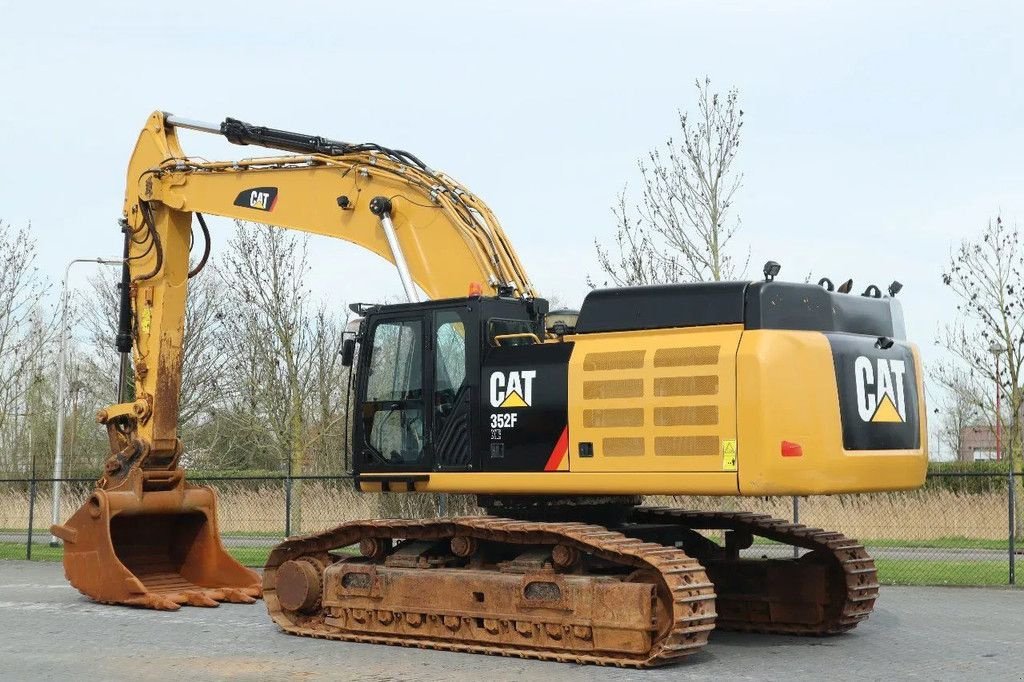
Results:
[206, 247]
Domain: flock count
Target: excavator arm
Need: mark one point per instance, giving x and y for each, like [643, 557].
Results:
[439, 235]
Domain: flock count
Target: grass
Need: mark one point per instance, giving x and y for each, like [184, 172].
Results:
[943, 543]
[247, 556]
[255, 557]
[926, 572]
[890, 571]
[16, 550]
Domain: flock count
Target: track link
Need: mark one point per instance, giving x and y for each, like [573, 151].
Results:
[685, 592]
[850, 581]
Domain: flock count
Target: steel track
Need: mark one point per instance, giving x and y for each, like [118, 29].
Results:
[692, 594]
[852, 579]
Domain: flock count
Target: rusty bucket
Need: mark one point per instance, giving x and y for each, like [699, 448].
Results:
[153, 543]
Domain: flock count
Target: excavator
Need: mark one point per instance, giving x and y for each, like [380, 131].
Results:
[557, 423]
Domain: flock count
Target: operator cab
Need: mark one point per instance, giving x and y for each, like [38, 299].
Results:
[418, 378]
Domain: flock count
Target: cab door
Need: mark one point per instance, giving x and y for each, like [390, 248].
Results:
[392, 429]
[453, 345]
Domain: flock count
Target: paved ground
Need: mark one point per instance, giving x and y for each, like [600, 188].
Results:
[50, 632]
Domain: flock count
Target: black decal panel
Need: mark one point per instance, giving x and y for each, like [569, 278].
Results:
[258, 198]
[524, 397]
[878, 400]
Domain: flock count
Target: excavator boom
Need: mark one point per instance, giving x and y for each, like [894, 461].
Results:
[146, 537]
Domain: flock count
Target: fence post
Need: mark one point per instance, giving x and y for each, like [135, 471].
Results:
[288, 501]
[1011, 526]
[796, 519]
[31, 515]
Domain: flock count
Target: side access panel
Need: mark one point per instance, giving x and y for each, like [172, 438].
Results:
[654, 401]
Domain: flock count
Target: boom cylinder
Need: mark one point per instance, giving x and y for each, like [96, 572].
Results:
[381, 207]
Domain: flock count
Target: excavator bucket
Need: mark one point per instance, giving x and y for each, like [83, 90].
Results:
[154, 545]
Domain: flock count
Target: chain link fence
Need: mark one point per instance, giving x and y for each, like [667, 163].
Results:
[959, 529]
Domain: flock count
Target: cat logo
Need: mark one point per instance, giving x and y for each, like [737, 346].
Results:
[880, 392]
[514, 389]
[259, 198]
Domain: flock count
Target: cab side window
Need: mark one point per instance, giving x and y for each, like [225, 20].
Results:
[393, 411]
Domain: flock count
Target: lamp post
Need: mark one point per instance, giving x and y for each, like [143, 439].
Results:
[996, 351]
[58, 456]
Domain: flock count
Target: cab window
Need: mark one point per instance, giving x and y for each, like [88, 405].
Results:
[497, 327]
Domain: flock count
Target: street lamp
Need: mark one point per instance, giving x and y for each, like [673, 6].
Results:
[996, 349]
[58, 457]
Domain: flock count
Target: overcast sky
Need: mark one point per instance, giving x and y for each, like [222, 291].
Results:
[877, 133]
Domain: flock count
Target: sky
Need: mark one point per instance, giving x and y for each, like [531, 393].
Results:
[877, 134]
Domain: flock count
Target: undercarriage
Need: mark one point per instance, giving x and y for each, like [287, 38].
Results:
[645, 592]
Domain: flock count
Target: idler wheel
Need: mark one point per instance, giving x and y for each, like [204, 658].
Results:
[299, 586]
[464, 546]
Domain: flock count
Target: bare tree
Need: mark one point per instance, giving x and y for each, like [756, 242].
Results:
[285, 380]
[263, 277]
[682, 227]
[25, 331]
[325, 440]
[960, 409]
[986, 276]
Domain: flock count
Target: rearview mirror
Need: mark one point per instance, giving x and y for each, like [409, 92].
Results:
[348, 352]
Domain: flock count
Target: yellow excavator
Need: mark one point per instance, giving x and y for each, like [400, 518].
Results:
[557, 423]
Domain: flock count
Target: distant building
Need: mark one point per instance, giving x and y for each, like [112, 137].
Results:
[977, 443]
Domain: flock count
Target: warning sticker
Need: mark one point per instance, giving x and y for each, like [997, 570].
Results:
[728, 455]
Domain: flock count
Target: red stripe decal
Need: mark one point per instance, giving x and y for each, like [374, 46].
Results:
[559, 452]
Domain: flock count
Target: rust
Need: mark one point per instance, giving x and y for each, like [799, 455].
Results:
[464, 545]
[299, 585]
[374, 548]
[569, 592]
[827, 591]
[647, 605]
[147, 538]
[565, 556]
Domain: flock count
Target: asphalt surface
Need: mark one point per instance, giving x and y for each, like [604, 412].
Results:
[49, 631]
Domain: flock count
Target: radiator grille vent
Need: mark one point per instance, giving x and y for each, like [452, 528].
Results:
[685, 446]
[686, 357]
[613, 418]
[706, 384]
[690, 415]
[618, 359]
[613, 388]
[623, 447]
[662, 401]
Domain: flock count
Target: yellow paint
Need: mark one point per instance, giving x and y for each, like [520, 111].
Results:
[563, 464]
[573, 483]
[787, 391]
[887, 412]
[779, 385]
[445, 249]
[659, 400]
